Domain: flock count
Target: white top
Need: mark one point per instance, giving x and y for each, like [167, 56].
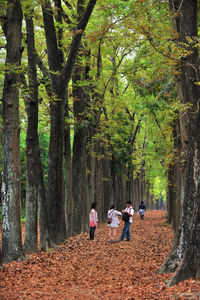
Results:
[130, 210]
[112, 213]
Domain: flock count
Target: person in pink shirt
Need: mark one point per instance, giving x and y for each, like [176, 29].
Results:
[93, 220]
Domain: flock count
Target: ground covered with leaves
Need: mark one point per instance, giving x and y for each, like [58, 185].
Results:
[84, 269]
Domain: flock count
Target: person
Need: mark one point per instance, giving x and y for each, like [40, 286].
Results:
[93, 220]
[141, 210]
[113, 223]
[126, 229]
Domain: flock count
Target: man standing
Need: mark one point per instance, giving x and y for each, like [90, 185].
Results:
[128, 218]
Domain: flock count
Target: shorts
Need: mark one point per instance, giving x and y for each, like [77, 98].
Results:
[113, 225]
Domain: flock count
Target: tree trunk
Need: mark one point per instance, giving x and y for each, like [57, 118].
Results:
[119, 187]
[60, 75]
[186, 259]
[69, 202]
[107, 186]
[79, 166]
[129, 188]
[171, 195]
[11, 187]
[55, 187]
[98, 183]
[179, 176]
[0, 259]
[55, 183]
[90, 177]
[42, 205]
[32, 145]
[91, 158]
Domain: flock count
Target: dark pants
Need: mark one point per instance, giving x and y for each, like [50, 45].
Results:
[92, 230]
[126, 232]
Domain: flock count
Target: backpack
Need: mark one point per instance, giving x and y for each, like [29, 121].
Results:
[125, 217]
[142, 206]
[110, 217]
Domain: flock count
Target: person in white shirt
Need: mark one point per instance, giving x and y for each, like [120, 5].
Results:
[126, 230]
[113, 222]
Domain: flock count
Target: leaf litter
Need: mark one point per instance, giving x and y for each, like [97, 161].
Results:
[83, 269]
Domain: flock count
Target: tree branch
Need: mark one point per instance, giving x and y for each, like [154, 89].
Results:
[45, 73]
[67, 70]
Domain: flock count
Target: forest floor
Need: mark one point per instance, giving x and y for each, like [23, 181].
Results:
[83, 269]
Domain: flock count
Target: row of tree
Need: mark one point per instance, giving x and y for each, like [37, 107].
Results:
[119, 103]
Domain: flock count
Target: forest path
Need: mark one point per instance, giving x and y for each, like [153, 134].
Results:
[84, 269]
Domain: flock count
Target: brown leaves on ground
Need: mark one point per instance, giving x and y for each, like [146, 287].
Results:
[84, 269]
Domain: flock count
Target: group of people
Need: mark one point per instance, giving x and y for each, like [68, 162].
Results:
[113, 220]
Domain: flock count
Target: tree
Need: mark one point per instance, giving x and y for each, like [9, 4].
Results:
[60, 74]
[32, 144]
[69, 202]
[79, 164]
[11, 186]
[184, 258]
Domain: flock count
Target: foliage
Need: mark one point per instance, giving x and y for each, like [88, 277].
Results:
[135, 86]
[130, 73]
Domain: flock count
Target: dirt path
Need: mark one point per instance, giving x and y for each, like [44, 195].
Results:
[83, 269]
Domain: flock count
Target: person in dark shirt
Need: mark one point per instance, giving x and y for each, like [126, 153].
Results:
[142, 210]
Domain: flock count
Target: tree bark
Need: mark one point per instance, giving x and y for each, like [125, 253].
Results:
[11, 187]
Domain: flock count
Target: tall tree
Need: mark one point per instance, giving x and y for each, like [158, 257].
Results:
[184, 258]
[55, 191]
[11, 184]
[79, 166]
[69, 201]
[32, 144]
[60, 74]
